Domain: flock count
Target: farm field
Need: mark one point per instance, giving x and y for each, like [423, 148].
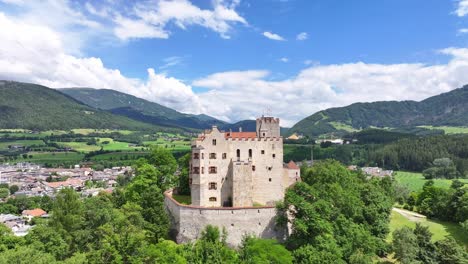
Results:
[26, 143]
[174, 145]
[79, 146]
[449, 129]
[439, 229]
[52, 157]
[87, 131]
[415, 181]
[127, 155]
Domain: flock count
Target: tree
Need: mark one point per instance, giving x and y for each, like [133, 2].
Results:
[166, 164]
[405, 245]
[13, 189]
[210, 248]
[24, 254]
[183, 185]
[255, 250]
[426, 252]
[449, 252]
[46, 239]
[338, 210]
[165, 251]
[4, 192]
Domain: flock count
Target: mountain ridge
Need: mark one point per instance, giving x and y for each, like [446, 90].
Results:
[449, 109]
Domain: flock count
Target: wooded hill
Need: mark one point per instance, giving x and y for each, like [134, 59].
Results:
[139, 109]
[447, 109]
[36, 107]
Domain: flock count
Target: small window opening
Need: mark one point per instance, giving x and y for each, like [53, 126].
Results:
[212, 199]
[214, 142]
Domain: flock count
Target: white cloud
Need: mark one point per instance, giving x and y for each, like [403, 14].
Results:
[462, 8]
[463, 31]
[129, 28]
[319, 87]
[284, 59]
[182, 13]
[302, 36]
[273, 36]
[171, 62]
[34, 53]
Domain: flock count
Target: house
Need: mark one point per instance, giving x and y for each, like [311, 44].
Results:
[30, 214]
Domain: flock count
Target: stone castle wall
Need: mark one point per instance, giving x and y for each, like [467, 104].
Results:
[189, 221]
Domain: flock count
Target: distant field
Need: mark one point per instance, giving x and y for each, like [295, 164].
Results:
[174, 145]
[439, 229]
[25, 143]
[415, 181]
[87, 131]
[52, 157]
[127, 155]
[449, 129]
[79, 146]
[341, 126]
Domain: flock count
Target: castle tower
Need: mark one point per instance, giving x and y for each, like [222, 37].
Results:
[268, 127]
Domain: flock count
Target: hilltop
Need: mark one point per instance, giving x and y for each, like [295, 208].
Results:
[36, 107]
[447, 109]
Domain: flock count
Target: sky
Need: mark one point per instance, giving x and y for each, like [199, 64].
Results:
[238, 59]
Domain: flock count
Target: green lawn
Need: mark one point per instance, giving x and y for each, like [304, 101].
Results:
[439, 229]
[342, 126]
[449, 129]
[415, 181]
[25, 143]
[183, 199]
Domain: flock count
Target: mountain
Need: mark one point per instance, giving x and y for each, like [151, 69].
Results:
[36, 107]
[139, 109]
[447, 109]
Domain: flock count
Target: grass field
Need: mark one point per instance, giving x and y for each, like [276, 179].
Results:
[25, 143]
[79, 146]
[183, 199]
[131, 155]
[415, 181]
[449, 129]
[174, 145]
[87, 131]
[439, 229]
[53, 157]
[345, 127]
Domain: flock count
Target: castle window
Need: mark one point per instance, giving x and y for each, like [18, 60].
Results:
[263, 152]
[196, 170]
[263, 134]
[253, 167]
[214, 142]
[269, 168]
[212, 199]
[212, 155]
[224, 155]
[212, 170]
[212, 186]
[203, 170]
[269, 179]
[196, 155]
[250, 153]
[238, 154]
[273, 155]
[202, 155]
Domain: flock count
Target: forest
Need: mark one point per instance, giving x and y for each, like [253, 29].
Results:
[340, 216]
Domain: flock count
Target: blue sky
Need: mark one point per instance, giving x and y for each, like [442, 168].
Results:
[232, 59]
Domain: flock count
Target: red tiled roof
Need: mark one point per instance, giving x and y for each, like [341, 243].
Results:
[292, 166]
[35, 212]
[240, 135]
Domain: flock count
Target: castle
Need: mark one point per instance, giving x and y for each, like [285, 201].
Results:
[238, 169]
[235, 180]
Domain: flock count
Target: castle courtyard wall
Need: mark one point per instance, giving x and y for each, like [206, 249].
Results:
[187, 222]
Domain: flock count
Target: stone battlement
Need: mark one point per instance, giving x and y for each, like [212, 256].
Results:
[188, 221]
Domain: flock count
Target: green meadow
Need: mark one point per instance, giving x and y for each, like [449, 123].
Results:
[415, 180]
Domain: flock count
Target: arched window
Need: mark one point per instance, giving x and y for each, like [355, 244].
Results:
[238, 154]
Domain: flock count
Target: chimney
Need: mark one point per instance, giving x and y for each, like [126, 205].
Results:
[240, 129]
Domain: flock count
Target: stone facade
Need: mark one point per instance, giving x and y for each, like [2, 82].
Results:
[238, 169]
